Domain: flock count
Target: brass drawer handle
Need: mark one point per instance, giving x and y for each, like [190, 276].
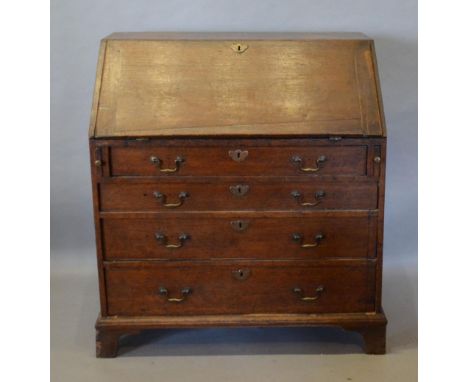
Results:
[298, 161]
[184, 292]
[299, 238]
[318, 292]
[162, 197]
[319, 195]
[163, 240]
[158, 162]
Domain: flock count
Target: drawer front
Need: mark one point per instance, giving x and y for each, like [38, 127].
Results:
[238, 161]
[200, 237]
[217, 195]
[237, 288]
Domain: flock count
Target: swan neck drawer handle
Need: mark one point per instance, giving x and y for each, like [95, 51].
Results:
[163, 240]
[298, 161]
[158, 162]
[162, 198]
[184, 293]
[319, 195]
[299, 238]
[318, 293]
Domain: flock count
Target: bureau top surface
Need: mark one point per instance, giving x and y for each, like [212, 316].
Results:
[286, 36]
[236, 84]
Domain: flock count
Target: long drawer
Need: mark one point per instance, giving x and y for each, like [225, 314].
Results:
[198, 194]
[200, 236]
[229, 160]
[177, 288]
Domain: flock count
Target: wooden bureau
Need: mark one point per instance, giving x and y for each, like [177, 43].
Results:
[238, 180]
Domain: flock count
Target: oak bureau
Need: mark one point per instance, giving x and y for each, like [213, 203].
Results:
[238, 180]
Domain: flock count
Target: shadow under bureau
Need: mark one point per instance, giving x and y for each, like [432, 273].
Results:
[238, 180]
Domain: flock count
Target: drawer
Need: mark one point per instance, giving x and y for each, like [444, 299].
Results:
[240, 194]
[198, 236]
[234, 160]
[177, 288]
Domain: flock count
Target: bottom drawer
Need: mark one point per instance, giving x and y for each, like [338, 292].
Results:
[177, 288]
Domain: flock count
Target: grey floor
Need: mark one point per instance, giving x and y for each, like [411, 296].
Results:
[264, 354]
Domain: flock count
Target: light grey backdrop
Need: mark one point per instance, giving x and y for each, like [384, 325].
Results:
[77, 27]
[227, 354]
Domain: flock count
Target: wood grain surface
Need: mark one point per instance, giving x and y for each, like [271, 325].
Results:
[238, 180]
[211, 194]
[258, 161]
[183, 87]
[133, 289]
[241, 236]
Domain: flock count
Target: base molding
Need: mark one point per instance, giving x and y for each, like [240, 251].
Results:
[371, 326]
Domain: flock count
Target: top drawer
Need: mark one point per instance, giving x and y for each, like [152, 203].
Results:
[243, 160]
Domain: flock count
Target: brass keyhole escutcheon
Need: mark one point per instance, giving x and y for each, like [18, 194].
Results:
[239, 47]
[239, 189]
[238, 155]
[241, 274]
[239, 225]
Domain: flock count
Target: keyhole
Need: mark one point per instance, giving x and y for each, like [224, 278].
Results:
[240, 274]
[238, 47]
[239, 190]
[238, 154]
[239, 225]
